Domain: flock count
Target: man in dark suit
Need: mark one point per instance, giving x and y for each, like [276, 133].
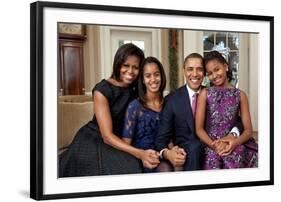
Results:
[177, 122]
[177, 119]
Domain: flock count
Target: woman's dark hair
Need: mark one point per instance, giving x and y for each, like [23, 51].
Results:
[215, 55]
[142, 87]
[121, 56]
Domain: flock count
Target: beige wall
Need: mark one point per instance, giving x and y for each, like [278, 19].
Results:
[253, 80]
[92, 57]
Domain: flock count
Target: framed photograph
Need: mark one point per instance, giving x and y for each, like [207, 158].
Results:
[73, 48]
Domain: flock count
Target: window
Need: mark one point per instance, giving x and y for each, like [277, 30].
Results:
[141, 38]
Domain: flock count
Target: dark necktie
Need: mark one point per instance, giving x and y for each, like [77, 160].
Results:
[194, 102]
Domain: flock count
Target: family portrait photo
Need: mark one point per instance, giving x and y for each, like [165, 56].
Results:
[166, 100]
[141, 117]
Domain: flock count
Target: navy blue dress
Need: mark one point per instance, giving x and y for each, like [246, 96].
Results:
[141, 125]
[88, 155]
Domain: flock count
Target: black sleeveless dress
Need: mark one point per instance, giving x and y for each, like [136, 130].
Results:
[88, 155]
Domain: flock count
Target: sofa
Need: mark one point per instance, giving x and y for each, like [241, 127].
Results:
[73, 112]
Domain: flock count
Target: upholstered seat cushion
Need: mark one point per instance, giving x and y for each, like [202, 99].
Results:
[73, 112]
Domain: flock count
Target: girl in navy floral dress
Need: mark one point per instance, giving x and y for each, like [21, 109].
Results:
[142, 116]
[218, 108]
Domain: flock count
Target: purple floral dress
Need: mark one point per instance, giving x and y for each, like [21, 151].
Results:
[222, 112]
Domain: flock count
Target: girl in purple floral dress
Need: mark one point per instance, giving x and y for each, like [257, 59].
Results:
[218, 108]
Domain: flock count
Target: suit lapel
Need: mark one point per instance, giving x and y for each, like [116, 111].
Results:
[184, 95]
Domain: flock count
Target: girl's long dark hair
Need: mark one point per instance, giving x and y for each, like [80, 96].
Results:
[215, 55]
[142, 87]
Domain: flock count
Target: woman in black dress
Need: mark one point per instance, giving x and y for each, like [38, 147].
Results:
[97, 148]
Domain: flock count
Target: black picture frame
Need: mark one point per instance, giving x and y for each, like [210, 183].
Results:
[38, 98]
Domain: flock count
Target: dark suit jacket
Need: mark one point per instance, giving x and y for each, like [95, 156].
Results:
[177, 123]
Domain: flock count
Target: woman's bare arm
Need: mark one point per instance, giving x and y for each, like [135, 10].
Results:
[104, 119]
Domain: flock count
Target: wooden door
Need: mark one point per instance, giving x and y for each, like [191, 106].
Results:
[71, 69]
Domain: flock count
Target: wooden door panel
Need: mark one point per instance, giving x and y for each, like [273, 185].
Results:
[71, 67]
